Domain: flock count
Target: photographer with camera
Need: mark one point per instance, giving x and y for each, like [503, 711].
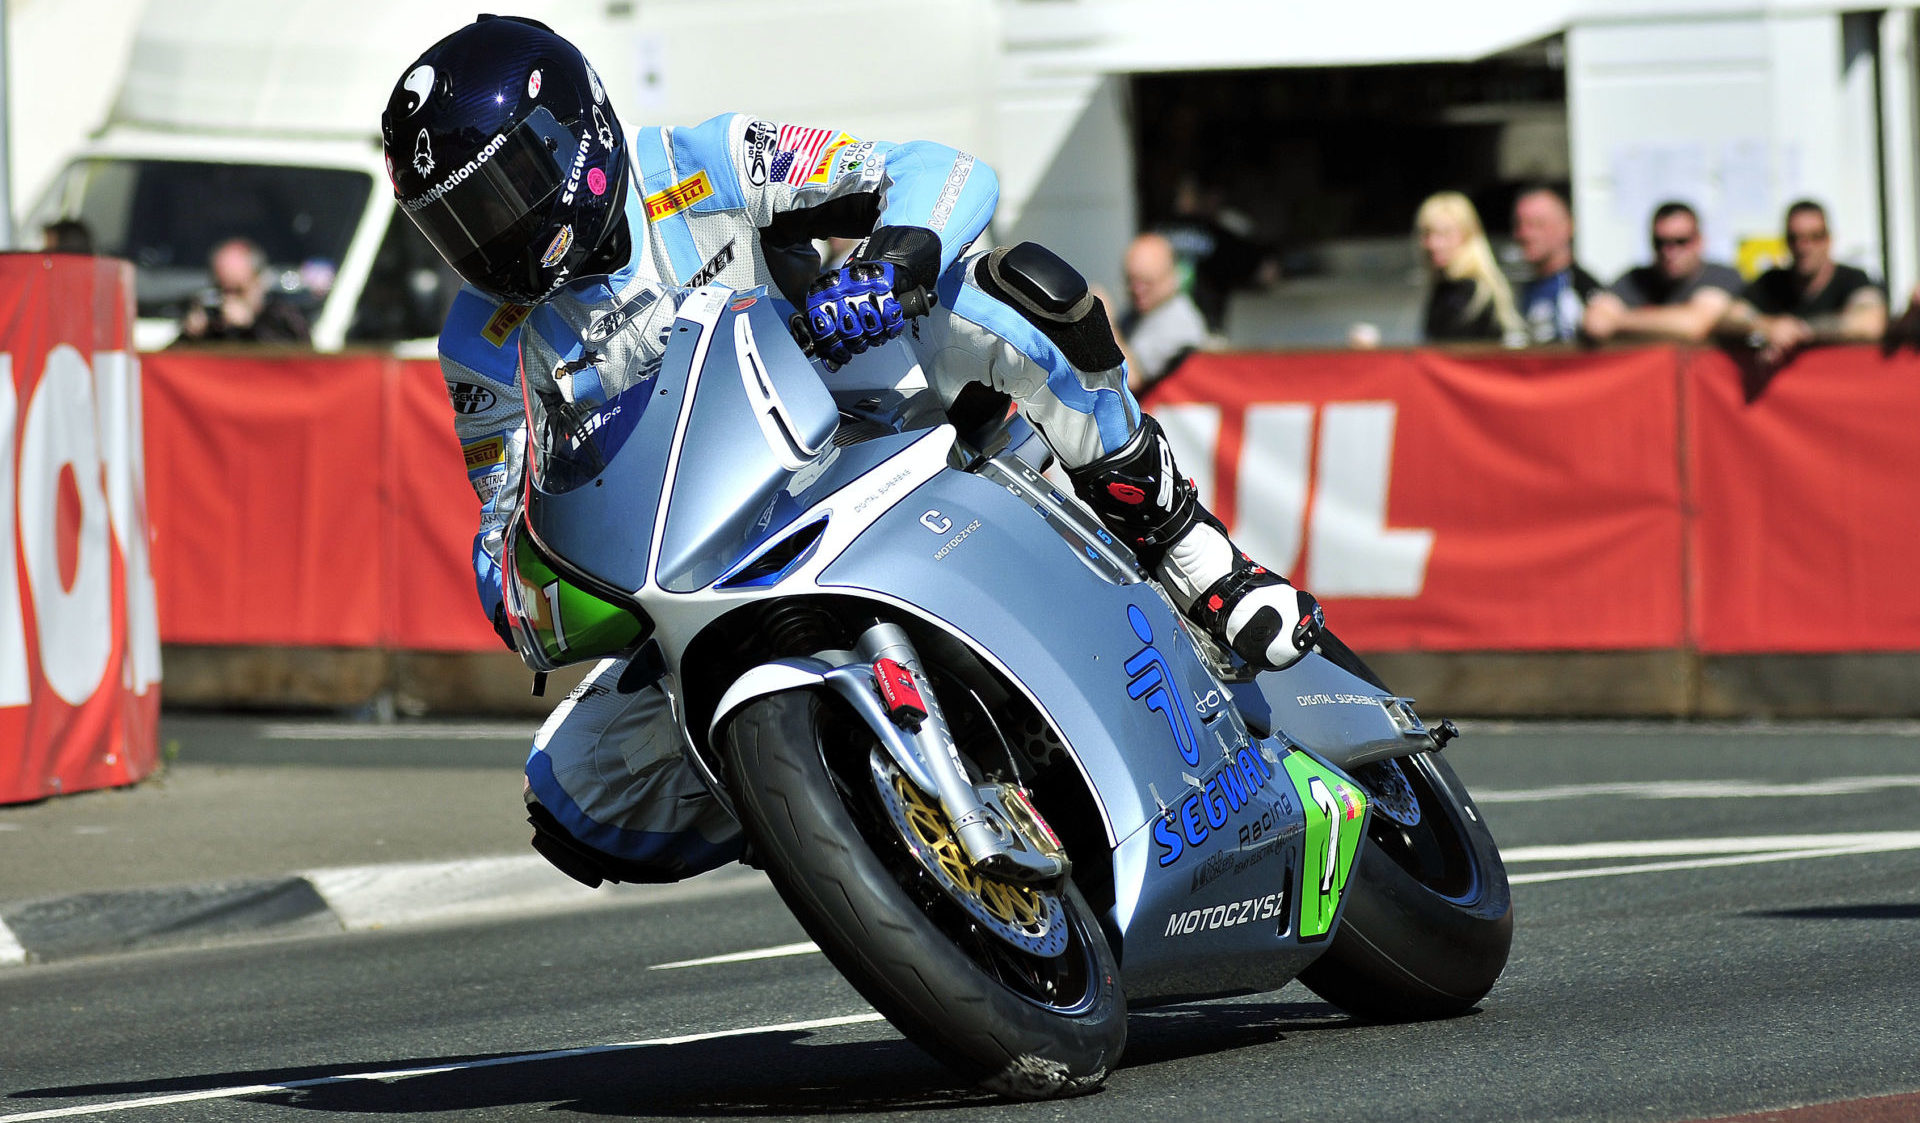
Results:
[238, 308]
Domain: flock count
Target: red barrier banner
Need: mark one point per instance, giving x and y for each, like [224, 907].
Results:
[79, 645]
[1494, 502]
[1509, 502]
[315, 500]
[1805, 522]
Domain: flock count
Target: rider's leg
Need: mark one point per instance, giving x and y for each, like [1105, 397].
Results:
[1022, 321]
[612, 797]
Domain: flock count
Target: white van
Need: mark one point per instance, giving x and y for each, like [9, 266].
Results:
[320, 209]
[260, 120]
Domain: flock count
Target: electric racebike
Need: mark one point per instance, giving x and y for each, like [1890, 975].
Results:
[998, 778]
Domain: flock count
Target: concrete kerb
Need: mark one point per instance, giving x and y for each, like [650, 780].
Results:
[322, 902]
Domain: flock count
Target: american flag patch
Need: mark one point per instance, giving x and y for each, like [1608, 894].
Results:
[798, 149]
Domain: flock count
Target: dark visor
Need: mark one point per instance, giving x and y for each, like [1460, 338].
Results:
[510, 176]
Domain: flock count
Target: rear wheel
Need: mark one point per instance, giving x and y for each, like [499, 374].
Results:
[1429, 915]
[1012, 987]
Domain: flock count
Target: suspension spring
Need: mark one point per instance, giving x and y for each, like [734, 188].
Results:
[790, 628]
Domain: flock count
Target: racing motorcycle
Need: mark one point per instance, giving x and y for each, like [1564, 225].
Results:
[999, 779]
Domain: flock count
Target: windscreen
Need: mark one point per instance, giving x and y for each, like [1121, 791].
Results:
[590, 360]
[166, 216]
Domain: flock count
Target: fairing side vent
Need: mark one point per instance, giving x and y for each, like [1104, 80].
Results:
[777, 560]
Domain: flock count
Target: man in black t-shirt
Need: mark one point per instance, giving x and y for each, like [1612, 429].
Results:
[1681, 296]
[1816, 300]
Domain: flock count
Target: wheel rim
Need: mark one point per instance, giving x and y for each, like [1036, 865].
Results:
[1418, 828]
[1066, 983]
[1031, 921]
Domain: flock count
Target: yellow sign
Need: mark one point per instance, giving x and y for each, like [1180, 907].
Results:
[820, 173]
[485, 454]
[679, 197]
[505, 318]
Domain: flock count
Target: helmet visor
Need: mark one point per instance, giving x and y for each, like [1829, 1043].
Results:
[492, 193]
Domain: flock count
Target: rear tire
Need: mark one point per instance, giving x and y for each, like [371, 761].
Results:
[1429, 915]
[856, 892]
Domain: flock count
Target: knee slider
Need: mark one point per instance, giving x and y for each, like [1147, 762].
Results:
[585, 864]
[1053, 297]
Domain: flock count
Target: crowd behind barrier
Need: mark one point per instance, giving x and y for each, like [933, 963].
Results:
[79, 642]
[1511, 501]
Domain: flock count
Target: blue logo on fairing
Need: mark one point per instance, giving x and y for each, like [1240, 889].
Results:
[1152, 683]
[1230, 788]
[1232, 785]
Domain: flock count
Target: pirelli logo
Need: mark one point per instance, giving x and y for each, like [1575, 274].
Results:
[501, 324]
[485, 454]
[679, 197]
[823, 171]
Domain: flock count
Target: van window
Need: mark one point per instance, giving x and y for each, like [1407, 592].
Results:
[408, 289]
[167, 215]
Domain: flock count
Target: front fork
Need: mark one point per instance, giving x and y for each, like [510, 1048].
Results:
[1002, 835]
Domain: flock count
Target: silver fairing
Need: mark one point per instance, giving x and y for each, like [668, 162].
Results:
[732, 454]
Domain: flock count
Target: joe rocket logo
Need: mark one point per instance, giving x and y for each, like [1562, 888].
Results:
[1151, 684]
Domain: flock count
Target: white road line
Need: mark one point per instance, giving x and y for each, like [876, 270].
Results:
[373, 731]
[1674, 847]
[11, 953]
[807, 948]
[1729, 851]
[1701, 789]
[397, 893]
[403, 1073]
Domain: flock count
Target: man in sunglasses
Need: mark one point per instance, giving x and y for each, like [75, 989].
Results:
[1814, 300]
[1681, 296]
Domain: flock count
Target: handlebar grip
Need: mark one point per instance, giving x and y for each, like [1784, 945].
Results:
[914, 302]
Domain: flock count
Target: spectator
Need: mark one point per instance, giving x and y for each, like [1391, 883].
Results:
[238, 308]
[1816, 300]
[1556, 299]
[1469, 299]
[1216, 250]
[1163, 326]
[1681, 296]
[67, 235]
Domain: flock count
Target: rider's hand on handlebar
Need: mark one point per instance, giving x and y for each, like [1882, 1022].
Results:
[856, 307]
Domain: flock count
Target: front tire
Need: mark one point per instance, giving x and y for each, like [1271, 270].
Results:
[805, 796]
[1429, 915]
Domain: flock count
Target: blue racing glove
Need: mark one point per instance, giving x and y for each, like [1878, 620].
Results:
[852, 309]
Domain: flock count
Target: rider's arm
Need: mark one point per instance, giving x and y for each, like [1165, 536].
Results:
[479, 357]
[800, 183]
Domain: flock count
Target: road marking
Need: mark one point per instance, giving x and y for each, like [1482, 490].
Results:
[11, 953]
[411, 731]
[398, 893]
[1726, 851]
[1702, 789]
[239, 1091]
[806, 948]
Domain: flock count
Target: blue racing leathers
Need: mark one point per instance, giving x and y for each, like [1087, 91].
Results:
[737, 201]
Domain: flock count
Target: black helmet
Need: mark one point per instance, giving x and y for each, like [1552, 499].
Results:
[504, 150]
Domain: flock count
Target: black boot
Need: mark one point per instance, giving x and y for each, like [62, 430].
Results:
[1139, 494]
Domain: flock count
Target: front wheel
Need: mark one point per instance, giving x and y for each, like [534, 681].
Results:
[1429, 915]
[1013, 988]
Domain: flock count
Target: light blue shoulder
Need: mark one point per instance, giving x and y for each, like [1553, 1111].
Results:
[483, 335]
[704, 147]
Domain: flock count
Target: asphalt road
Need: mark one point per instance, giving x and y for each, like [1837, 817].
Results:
[1736, 930]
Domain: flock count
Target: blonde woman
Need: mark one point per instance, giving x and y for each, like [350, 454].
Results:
[1469, 300]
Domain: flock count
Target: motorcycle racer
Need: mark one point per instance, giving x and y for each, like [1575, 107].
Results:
[505, 150]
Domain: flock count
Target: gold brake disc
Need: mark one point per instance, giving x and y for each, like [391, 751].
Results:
[1032, 921]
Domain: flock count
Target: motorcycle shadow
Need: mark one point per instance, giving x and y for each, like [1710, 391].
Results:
[781, 1074]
